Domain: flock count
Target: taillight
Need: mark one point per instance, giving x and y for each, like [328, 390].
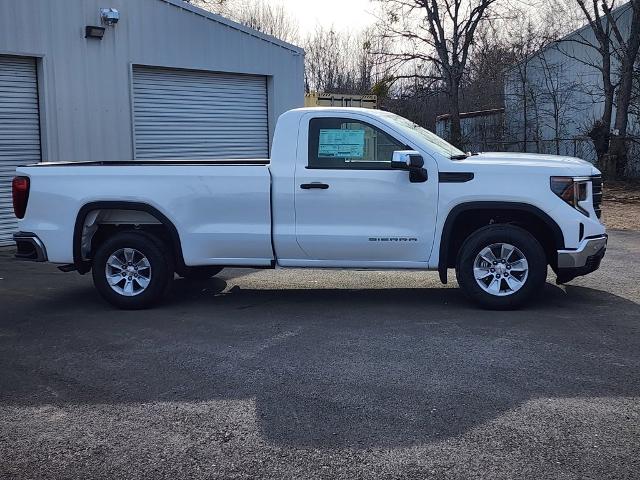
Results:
[20, 190]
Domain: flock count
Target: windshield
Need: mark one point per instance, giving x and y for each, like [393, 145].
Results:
[442, 146]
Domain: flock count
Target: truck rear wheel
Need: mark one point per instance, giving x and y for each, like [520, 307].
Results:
[501, 267]
[132, 270]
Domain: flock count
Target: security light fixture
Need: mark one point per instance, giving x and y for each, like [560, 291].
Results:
[109, 16]
[94, 32]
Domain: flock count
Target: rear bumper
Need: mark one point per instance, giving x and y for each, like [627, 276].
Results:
[582, 261]
[30, 247]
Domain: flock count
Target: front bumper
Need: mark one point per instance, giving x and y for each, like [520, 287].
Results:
[583, 260]
[30, 247]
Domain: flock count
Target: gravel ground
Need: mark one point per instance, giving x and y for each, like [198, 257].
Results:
[310, 374]
[621, 206]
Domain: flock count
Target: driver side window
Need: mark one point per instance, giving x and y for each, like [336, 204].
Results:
[345, 143]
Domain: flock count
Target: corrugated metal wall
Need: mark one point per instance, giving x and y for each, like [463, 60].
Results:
[87, 99]
[182, 114]
[19, 131]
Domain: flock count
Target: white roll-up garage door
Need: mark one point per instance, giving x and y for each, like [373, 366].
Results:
[19, 131]
[199, 115]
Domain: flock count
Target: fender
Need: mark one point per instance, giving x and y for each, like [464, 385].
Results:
[82, 266]
[463, 207]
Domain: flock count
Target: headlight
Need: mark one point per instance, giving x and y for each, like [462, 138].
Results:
[571, 190]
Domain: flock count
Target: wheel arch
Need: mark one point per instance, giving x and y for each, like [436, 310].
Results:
[82, 266]
[448, 247]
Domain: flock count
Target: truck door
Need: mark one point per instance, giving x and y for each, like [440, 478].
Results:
[351, 208]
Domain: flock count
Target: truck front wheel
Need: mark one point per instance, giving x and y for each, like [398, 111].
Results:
[132, 270]
[501, 267]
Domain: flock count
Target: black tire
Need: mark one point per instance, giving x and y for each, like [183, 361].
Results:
[200, 273]
[161, 269]
[523, 241]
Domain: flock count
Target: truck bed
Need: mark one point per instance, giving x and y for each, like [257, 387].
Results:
[220, 208]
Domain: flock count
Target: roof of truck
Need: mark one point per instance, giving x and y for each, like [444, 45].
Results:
[368, 111]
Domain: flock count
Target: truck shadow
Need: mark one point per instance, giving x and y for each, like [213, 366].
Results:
[404, 367]
[330, 368]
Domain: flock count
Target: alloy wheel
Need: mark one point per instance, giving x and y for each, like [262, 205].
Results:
[501, 269]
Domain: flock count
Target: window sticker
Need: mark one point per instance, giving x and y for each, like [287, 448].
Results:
[341, 143]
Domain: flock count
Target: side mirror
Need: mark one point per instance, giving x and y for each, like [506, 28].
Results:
[406, 160]
[413, 162]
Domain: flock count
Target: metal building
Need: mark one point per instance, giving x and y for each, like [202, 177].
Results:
[481, 130]
[168, 80]
[553, 97]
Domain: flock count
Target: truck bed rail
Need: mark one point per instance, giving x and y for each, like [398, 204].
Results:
[140, 163]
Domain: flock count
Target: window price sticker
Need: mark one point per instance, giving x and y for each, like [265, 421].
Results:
[341, 143]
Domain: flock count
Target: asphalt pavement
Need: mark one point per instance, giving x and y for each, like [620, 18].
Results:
[307, 374]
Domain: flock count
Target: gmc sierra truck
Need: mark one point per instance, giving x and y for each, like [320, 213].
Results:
[345, 188]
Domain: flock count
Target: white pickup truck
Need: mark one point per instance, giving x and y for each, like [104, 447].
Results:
[346, 188]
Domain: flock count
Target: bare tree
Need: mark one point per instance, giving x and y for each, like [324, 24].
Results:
[216, 6]
[326, 68]
[634, 107]
[535, 101]
[602, 31]
[558, 94]
[272, 19]
[629, 47]
[525, 41]
[524, 46]
[439, 32]
[483, 82]
[342, 63]
[603, 45]
[616, 42]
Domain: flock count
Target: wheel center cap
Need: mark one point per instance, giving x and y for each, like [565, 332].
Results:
[501, 269]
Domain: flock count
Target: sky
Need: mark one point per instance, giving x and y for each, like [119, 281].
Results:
[344, 15]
